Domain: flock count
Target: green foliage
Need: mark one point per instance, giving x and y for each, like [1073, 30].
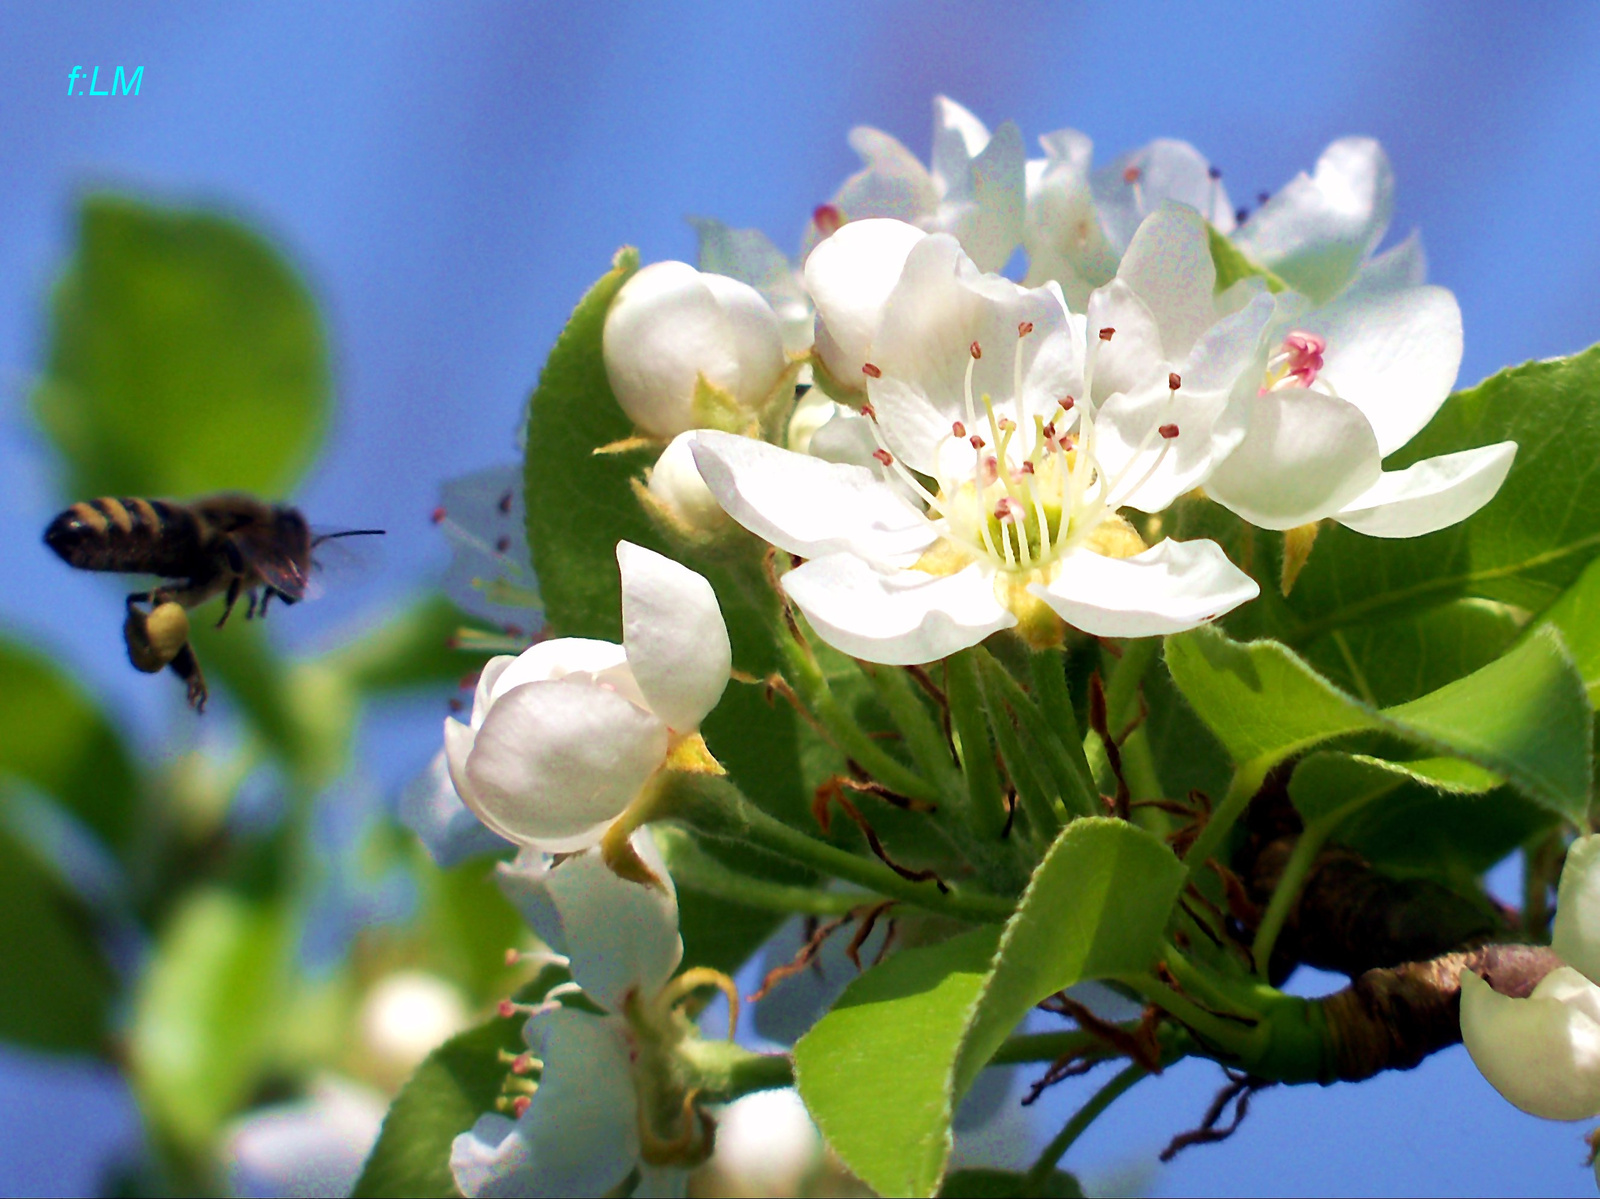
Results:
[57, 741]
[921, 1025]
[55, 987]
[458, 1083]
[1232, 265]
[1004, 1184]
[413, 648]
[185, 356]
[206, 1009]
[1577, 616]
[1524, 717]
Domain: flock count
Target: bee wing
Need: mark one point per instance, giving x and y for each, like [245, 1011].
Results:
[280, 560]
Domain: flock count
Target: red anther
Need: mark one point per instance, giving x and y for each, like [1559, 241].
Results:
[868, 411]
[1106, 333]
[521, 1104]
[522, 1063]
[871, 371]
[455, 705]
[975, 350]
[506, 1008]
[513, 956]
[505, 504]
[1025, 328]
[827, 219]
[1174, 381]
[884, 456]
[469, 681]
[958, 429]
[1048, 432]
[1066, 404]
[1007, 424]
[1168, 431]
[438, 515]
[977, 442]
[1131, 174]
[991, 469]
[1027, 468]
[502, 544]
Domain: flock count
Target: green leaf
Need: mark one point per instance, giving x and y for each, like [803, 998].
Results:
[1577, 615]
[203, 1024]
[1005, 1184]
[1527, 546]
[185, 356]
[1328, 788]
[416, 647]
[919, 1027]
[1524, 717]
[1233, 265]
[55, 987]
[459, 1082]
[55, 739]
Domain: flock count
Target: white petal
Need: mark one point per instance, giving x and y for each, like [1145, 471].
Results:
[1542, 1054]
[807, 506]
[958, 138]
[1132, 358]
[314, 1146]
[1576, 935]
[897, 617]
[1315, 232]
[1305, 456]
[1397, 269]
[1432, 494]
[892, 182]
[1167, 170]
[849, 276]
[1394, 356]
[672, 630]
[579, 1134]
[578, 658]
[675, 483]
[749, 256]
[984, 207]
[431, 808]
[1062, 230]
[1168, 588]
[757, 340]
[1169, 267]
[555, 763]
[620, 936]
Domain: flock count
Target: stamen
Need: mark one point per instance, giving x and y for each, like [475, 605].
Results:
[1025, 328]
[827, 218]
[975, 350]
[1174, 381]
[1168, 431]
[871, 371]
[958, 429]
[885, 457]
[520, 1105]
[976, 442]
[1027, 468]
[1107, 333]
[868, 411]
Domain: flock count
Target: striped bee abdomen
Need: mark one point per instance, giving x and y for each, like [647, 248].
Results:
[129, 534]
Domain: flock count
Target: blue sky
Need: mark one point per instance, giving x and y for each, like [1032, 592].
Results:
[450, 179]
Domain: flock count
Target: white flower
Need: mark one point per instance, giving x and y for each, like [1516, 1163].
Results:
[1035, 429]
[581, 1130]
[564, 736]
[676, 485]
[431, 808]
[974, 190]
[1340, 389]
[749, 256]
[407, 1015]
[1079, 223]
[1543, 1052]
[314, 1146]
[685, 349]
[849, 278]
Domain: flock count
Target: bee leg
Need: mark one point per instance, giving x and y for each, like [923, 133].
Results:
[268, 594]
[250, 612]
[139, 597]
[187, 667]
[233, 598]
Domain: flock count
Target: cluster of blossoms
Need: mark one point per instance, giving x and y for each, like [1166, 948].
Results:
[971, 455]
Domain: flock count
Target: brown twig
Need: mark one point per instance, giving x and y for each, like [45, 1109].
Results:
[1238, 1092]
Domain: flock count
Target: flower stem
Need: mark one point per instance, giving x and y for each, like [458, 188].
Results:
[1025, 768]
[1050, 685]
[1039, 1174]
[1287, 890]
[987, 812]
[1076, 789]
[696, 870]
[1246, 782]
[923, 736]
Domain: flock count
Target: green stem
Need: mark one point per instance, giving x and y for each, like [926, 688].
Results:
[1076, 789]
[1246, 782]
[1049, 669]
[717, 808]
[726, 1071]
[1039, 1174]
[694, 869]
[1026, 769]
[1124, 678]
[1287, 890]
[851, 739]
[987, 808]
[923, 736]
[1231, 1037]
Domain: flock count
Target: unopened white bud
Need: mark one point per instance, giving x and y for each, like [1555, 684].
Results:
[676, 484]
[674, 331]
[849, 277]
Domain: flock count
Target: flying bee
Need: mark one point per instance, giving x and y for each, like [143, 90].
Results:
[229, 545]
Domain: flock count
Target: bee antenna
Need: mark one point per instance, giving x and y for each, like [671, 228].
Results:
[321, 537]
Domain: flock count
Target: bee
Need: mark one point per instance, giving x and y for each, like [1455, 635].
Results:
[229, 545]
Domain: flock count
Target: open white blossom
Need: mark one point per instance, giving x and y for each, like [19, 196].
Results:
[1035, 428]
[1543, 1052]
[564, 736]
[685, 349]
[1341, 388]
[581, 1131]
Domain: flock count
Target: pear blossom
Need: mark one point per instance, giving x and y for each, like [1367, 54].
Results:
[1035, 431]
[749, 256]
[849, 278]
[591, 1120]
[685, 349]
[1543, 1052]
[973, 188]
[566, 735]
[1339, 389]
[675, 484]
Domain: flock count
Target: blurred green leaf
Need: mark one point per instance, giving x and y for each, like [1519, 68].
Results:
[205, 1012]
[53, 737]
[1004, 1184]
[414, 648]
[883, 1071]
[469, 924]
[185, 356]
[1525, 716]
[55, 986]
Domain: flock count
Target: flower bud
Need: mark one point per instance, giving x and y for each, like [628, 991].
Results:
[850, 276]
[676, 484]
[677, 339]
